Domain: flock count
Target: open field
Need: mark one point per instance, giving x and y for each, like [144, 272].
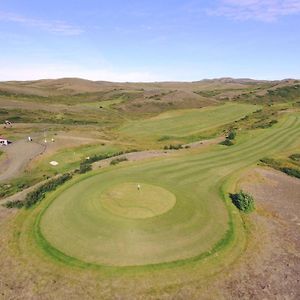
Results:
[160, 225]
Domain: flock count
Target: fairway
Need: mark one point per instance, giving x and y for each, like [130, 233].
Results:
[99, 216]
[188, 122]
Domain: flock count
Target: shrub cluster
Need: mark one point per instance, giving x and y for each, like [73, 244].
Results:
[270, 162]
[85, 167]
[264, 124]
[39, 194]
[99, 157]
[173, 147]
[118, 160]
[231, 135]
[279, 166]
[243, 201]
[295, 157]
[229, 141]
[291, 171]
[14, 204]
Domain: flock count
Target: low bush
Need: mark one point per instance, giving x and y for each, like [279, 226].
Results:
[85, 167]
[99, 157]
[14, 204]
[227, 142]
[270, 162]
[280, 166]
[118, 160]
[291, 171]
[231, 135]
[295, 157]
[263, 124]
[243, 201]
[39, 194]
[173, 147]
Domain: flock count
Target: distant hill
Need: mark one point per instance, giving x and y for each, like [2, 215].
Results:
[154, 96]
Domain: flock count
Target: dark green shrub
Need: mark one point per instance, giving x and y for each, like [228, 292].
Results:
[231, 135]
[39, 194]
[227, 142]
[14, 204]
[173, 147]
[243, 201]
[291, 172]
[85, 167]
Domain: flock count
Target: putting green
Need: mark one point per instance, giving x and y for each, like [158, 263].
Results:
[96, 218]
[131, 200]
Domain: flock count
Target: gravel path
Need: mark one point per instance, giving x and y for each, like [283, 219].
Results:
[17, 157]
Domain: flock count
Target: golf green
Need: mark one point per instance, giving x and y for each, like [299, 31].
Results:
[131, 200]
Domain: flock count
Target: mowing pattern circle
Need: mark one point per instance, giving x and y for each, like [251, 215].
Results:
[103, 219]
[131, 200]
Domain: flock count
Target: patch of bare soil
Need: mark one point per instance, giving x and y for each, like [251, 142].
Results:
[18, 155]
[270, 267]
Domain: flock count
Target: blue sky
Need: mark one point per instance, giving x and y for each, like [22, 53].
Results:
[139, 40]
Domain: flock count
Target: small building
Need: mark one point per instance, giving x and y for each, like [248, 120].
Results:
[4, 142]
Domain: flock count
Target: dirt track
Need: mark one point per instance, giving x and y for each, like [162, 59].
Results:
[17, 157]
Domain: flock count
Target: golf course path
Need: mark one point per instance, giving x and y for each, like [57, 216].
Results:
[17, 157]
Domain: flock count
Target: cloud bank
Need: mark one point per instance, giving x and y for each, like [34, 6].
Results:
[259, 10]
[24, 71]
[53, 26]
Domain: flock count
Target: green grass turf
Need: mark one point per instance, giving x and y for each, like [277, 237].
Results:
[187, 122]
[199, 224]
[134, 201]
[70, 158]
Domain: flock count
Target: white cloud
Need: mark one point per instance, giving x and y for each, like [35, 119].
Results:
[261, 10]
[12, 71]
[54, 26]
